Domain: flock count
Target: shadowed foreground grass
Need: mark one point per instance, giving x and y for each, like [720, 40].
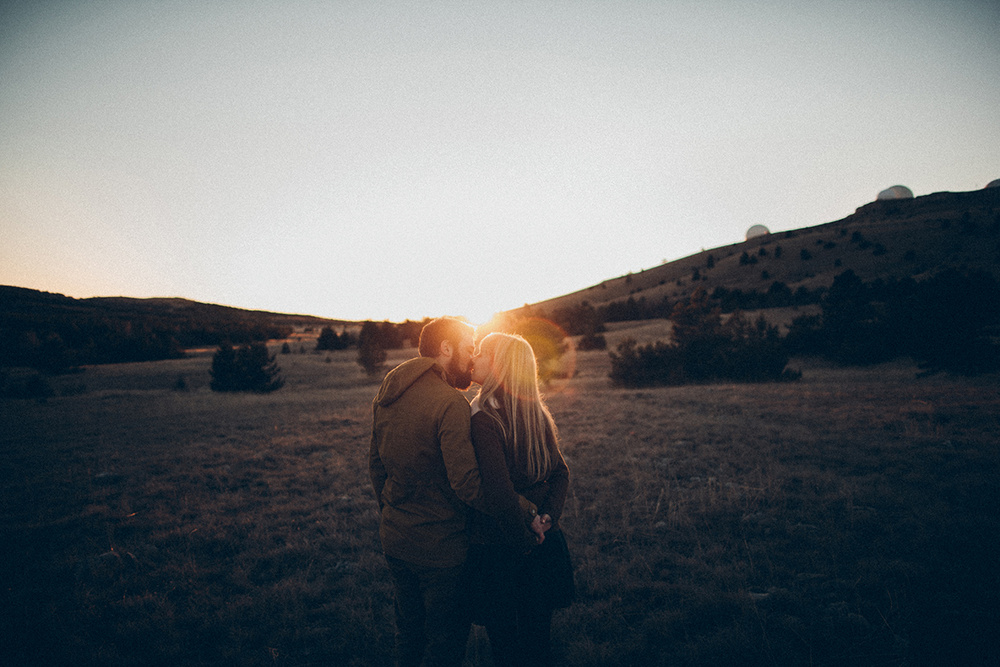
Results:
[849, 518]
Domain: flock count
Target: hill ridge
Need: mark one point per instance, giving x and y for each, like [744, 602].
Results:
[882, 239]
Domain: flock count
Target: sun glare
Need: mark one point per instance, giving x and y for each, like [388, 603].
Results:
[479, 317]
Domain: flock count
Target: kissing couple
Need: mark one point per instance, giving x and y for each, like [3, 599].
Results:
[469, 498]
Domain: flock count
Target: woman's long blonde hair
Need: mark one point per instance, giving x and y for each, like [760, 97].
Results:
[512, 388]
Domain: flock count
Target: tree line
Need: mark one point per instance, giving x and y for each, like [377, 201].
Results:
[53, 333]
[704, 347]
[948, 322]
[55, 345]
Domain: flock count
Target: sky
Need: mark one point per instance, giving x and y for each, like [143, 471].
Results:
[399, 160]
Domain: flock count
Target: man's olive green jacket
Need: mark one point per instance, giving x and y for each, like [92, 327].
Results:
[423, 467]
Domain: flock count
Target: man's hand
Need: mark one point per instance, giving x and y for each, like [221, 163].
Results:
[540, 525]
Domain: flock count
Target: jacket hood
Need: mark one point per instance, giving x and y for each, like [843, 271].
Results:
[403, 376]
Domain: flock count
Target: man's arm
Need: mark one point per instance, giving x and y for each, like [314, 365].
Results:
[461, 465]
[376, 469]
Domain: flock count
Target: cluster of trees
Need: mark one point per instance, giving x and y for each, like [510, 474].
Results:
[329, 340]
[635, 309]
[60, 345]
[376, 339]
[587, 320]
[949, 322]
[54, 333]
[584, 319]
[251, 368]
[247, 368]
[703, 348]
[778, 295]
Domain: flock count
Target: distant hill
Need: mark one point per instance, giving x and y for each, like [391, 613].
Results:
[885, 239]
[21, 299]
[55, 332]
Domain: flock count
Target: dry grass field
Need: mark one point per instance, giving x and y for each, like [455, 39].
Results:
[849, 518]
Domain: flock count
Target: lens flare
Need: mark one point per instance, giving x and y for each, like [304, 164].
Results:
[554, 350]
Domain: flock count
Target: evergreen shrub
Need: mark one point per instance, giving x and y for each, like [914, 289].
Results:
[703, 349]
[248, 368]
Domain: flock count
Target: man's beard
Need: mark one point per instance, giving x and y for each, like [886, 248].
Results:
[458, 377]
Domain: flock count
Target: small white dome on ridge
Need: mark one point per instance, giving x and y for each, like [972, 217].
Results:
[896, 192]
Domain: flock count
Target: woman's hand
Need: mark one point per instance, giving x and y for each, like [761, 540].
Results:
[539, 525]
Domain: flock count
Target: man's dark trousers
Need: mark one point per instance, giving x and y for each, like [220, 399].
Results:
[432, 619]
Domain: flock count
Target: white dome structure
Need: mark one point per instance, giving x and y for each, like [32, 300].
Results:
[757, 230]
[993, 184]
[895, 192]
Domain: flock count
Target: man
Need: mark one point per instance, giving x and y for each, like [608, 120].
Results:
[424, 472]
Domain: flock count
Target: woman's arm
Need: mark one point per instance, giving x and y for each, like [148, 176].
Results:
[557, 486]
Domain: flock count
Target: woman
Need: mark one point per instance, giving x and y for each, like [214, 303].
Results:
[517, 448]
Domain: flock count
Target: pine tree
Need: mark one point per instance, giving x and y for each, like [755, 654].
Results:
[249, 368]
[371, 348]
[328, 340]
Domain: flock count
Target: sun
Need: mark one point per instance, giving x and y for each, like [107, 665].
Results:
[479, 314]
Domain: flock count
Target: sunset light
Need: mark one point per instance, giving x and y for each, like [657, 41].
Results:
[594, 333]
[400, 160]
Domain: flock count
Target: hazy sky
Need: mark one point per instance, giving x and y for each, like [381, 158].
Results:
[401, 159]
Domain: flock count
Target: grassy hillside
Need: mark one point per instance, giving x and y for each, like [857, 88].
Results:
[883, 239]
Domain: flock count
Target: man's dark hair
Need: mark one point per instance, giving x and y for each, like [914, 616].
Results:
[442, 329]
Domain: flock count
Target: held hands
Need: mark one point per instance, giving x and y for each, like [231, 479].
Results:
[539, 525]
